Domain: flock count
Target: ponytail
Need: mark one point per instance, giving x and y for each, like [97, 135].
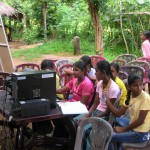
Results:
[128, 97]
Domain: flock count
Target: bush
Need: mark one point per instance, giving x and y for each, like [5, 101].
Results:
[30, 35]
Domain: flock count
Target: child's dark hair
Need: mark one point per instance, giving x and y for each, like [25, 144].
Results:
[115, 65]
[80, 64]
[47, 64]
[147, 34]
[131, 79]
[104, 66]
[87, 60]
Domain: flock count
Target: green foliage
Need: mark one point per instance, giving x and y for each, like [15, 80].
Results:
[59, 47]
[65, 48]
[30, 35]
[68, 18]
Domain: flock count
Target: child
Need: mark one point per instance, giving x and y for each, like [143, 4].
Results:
[90, 71]
[136, 129]
[146, 44]
[81, 86]
[48, 65]
[115, 70]
[105, 85]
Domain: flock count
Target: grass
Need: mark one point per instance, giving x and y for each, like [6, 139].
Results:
[65, 47]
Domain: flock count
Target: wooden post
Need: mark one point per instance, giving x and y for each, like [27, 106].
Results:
[76, 43]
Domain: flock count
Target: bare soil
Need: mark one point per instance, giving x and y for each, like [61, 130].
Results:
[16, 45]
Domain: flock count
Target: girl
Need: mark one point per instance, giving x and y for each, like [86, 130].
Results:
[115, 70]
[138, 105]
[105, 85]
[81, 86]
[90, 71]
[146, 44]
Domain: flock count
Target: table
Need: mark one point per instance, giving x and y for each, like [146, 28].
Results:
[20, 123]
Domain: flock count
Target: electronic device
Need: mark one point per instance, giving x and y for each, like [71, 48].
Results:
[31, 85]
[33, 107]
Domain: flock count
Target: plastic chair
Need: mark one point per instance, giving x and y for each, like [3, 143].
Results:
[61, 70]
[3, 75]
[27, 65]
[62, 62]
[112, 116]
[101, 132]
[144, 65]
[140, 146]
[123, 75]
[120, 62]
[133, 70]
[127, 57]
[95, 59]
[64, 79]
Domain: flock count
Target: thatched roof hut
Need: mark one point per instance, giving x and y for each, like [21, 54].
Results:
[7, 10]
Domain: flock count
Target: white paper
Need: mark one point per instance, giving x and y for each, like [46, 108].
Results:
[69, 108]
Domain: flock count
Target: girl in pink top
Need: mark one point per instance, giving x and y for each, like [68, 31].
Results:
[146, 44]
[81, 86]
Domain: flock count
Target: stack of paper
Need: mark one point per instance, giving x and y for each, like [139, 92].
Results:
[69, 108]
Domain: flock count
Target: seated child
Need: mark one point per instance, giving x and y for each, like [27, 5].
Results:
[135, 129]
[115, 70]
[81, 86]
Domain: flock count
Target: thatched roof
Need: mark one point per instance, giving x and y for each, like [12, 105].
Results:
[7, 10]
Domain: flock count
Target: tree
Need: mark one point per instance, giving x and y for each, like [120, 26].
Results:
[94, 7]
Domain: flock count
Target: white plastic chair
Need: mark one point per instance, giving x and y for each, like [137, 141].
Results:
[101, 132]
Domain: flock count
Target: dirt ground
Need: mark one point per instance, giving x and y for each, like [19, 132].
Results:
[16, 45]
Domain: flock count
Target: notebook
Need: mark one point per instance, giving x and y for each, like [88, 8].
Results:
[69, 108]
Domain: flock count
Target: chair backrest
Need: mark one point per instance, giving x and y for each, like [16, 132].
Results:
[62, 62]
[101, 132]
[3, 75]
[112, 116]
[122, 75]
[27, 65]
[61, 70]
[95, 59]
[133, 70]
[64, 79]
[120, 62]
[142, 64]
[127, 57]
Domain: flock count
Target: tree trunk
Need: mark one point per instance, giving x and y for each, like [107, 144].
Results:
[44, 20]
[27, 20]
[97, 28]
[76, 44]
